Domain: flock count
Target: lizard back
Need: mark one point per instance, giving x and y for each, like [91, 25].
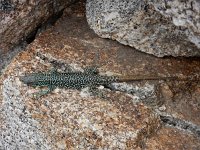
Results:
[67, 80]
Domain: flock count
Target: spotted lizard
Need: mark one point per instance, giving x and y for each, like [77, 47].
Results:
[77, 80]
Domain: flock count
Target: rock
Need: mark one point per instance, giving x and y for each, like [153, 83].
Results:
[69, 119]
[184, 14]
[166, 92]
[156, 27]
[169, 138]
[182, 99]
[18, 19]
[65, 119]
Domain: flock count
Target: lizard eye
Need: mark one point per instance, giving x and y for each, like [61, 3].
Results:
[22, 78]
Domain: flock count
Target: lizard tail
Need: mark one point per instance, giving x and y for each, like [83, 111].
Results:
[139, 78]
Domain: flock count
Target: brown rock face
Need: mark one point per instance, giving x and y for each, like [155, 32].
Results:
[171, 139]
[19, 18]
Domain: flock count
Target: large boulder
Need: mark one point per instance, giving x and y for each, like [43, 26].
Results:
[156, 27]
[128, 116]
[19, 18]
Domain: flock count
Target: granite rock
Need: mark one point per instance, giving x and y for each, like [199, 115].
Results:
[68, 119]
[156, 27]
[126, 118]
[184, 14]
[18, 19]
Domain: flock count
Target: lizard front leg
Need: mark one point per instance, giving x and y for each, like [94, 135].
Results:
[41, 93]
[96, 92]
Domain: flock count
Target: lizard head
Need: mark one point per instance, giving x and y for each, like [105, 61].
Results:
[27, 79]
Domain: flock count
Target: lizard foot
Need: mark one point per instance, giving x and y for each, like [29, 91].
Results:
[97, 92]
[41, 93]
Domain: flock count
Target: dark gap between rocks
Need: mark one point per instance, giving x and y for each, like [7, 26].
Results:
[181, 124]
[42, 27]
[5, 59]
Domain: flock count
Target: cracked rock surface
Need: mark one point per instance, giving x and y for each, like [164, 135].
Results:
[20, 20]
[136, 115]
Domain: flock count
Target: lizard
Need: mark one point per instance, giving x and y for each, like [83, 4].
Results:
[77, 80]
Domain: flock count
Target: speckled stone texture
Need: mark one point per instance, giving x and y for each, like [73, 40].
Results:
[68, 119]
[19, 18]
[185, 14]
[128, 116]
[173, 139]
[156, 27]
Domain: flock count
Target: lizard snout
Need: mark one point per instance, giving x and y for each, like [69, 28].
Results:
[27, 79]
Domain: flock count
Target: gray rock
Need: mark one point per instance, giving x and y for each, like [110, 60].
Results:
[149, 26]
[183, 13]
[18, 130]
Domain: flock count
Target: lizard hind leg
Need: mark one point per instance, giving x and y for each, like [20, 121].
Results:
[96, 92]
[41, 93]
